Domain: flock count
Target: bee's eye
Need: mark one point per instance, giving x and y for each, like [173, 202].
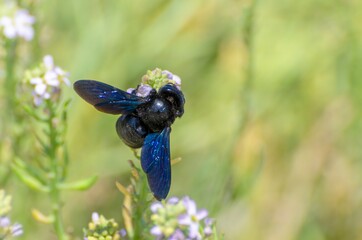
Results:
[175, 97]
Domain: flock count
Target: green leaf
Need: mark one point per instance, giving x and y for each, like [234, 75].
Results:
[65, 162]
[65, 108]
[79, 185]
[29, 179]
[35, 172]
[65, 113]
[32, 113]
[44, 146]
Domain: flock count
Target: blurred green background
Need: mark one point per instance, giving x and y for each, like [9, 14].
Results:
[271, 136]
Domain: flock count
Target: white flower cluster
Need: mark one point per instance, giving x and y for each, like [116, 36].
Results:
[154, 80]
[47, 80]
[18, 24]
[102, 229]
[179, 219]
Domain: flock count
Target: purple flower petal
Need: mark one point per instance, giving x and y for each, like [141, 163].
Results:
[173, 200]
[36, 80]
[143, 90]
[184, 219]
[155, 206]
[10, 32]
[66, 81]
[17, 230]
[207, 231]
[48, 61]
[40, 89]
[168, 74]
[123, 232]
[208, 221]
[201, 214]
[95, 217]
[37, 100]
[177, 235]
[59, 71]
[46, 95]
[130, 90]
[194, 231]
[4, 222]
[51, 78]
[177, 80]
[156, 231]
[190, 205]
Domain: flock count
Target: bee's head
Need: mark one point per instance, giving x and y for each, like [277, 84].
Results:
[175, 96]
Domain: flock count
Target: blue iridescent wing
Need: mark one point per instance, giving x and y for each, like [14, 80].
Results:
[106, 98]
[155, 161]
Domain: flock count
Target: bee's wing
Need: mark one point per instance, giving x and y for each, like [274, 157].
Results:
[106, 98]
[155, 161]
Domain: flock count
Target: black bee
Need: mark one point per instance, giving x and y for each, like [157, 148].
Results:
[145, 122]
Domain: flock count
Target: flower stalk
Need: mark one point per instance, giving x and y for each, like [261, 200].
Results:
[136, 202]
[10, 83]
[48, 172]
[15, 23]
[55, 193]
[9, 90]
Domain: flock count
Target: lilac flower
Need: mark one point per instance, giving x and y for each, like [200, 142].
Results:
[192, 217]
[18, 25]
[179, 219]
[168, 74]
[4, 222]
[122, 232]
[208, 226]
[173, 200]
[177, 235]
[54, 74]
[158, 78]
[176, 79]
[156, 231]
[16, 230]
[95, 217]
[130, 90]
[101, 228]
[164, 217]
[143, 90]
[155, 206]
[46, 80]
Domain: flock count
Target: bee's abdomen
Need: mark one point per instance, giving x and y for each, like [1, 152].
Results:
[131, 130]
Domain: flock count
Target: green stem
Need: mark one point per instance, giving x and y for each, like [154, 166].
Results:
[58, 223]
[140, 209]
[55, 193]
[8, 94]
[10, 83]
[140, 205]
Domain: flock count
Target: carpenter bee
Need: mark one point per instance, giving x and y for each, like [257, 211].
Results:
[145, 122]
